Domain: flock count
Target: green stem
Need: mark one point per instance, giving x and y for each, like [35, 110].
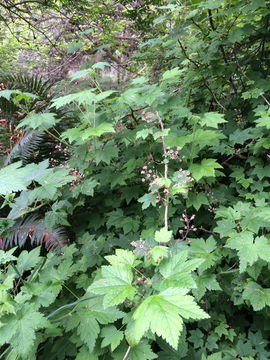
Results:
[17, 271]
[228, 272]
[67, 306]
[38, 269]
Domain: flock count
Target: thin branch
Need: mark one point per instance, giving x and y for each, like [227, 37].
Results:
[198, 66]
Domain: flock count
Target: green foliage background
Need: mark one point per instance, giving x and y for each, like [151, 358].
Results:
[135, 218]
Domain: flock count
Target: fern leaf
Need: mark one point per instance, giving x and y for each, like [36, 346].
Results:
[33, 229]
[33, 84]
[25, 148]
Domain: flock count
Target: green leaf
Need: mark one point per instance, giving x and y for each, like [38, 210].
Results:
[163, 313]
[87, 187]
[249, 249]
[17, 174]
[204, 249]
[115, 285]
[205, 282]
[6, 256]
[212, 119]
[82, 97]
[105, 154]
[84, 354]
[211, 4]
[88, 328]
[197, 200]
[28, 260]
[196, 338]
[101, 129]
[147, 200]
[82, 73]
[101, 65]
[7, 93]
[122, 257]
[38, 121]
[172, 75]
[264, 120]
[111, 336]
[142, 351]
[104, 94]
[163, 235]
[19, 330]
[142, 134]
[205, 169]
[256, 295]
[158, 253]
[159, 134]
[176, 271]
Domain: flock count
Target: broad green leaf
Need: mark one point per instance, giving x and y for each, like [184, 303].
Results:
[158, 253]
[163, 235]
[249, 249]
[142, 351]
[56, 177]
[205, 169]
[6, 256]
[159, 134]
[7, 93]
[18, 175]
[79, 74]
[205, 282]
[264, 120]
[111, 336]
[197, 200]
[101, 65]
[7, 305]
[101, 129]
[84, 354]
[177, 271]
[38, 121]
[256, 295]
[211, 4]
[252, 94]
[19, 330]
[87, 187]
[147, 200]
[72, 134]
[178, 263]
[88, 328]
[172, 75]
[115, 285]
[106, 154]
[196, 338]
[212, 119]
[142, 134]
[103, 95]
[205, 249]
[28, 260]
[82, 97]
[162, 314]
[122, 257]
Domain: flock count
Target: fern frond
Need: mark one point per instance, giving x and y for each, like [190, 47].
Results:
[25, 148]
[33, 229]
[33, 84]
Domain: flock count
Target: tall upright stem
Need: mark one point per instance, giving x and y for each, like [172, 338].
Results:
[167, 195]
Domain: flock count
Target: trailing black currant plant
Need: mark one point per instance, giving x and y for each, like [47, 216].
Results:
[142, 233]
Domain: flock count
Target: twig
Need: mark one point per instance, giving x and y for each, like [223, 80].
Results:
[204, 80]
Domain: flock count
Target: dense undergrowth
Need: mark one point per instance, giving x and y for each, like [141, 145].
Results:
[134, 221]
